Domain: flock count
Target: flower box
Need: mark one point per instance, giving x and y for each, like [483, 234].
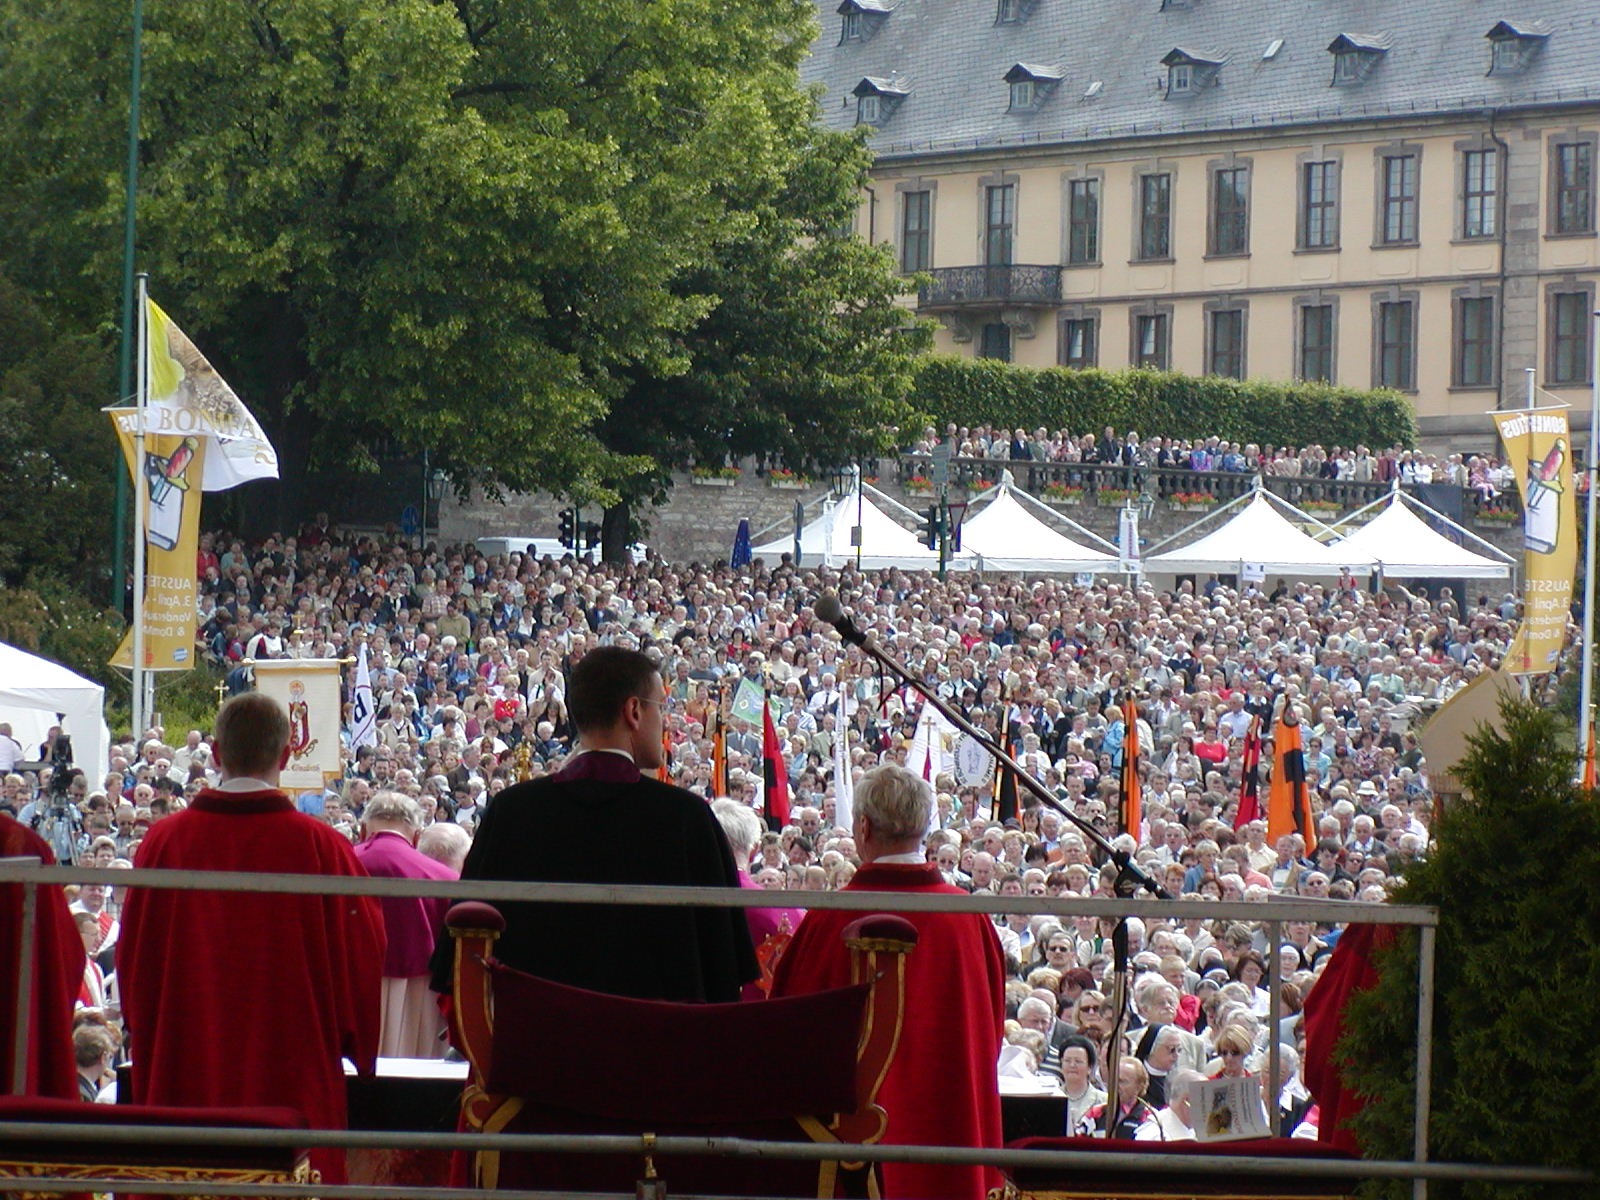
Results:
[1496, 516]
[789, 485]
[1114, 497]
[724, 481]
[1065, 501]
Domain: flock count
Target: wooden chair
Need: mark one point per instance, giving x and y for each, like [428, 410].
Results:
[548, 1058]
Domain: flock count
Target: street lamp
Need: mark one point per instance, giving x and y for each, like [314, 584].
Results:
[435, 483]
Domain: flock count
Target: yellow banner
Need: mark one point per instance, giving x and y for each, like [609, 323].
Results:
[308, 689]
[170, 524]
[1539, 451]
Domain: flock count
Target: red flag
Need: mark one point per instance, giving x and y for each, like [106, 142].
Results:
[1005, 792]
[664, 771]
[775, 775]
[1132, 797]
[1250, 786]
[1288, 799]
[719, 756]
[1588, 759]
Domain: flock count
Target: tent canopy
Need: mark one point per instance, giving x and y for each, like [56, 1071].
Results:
[33, 690]
[1259, 534]
[1407, 547]
[1007, 537]
[825, 541]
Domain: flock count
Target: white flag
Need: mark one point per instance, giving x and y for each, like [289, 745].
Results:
[844, 791]
[363, 712]
[188, 397]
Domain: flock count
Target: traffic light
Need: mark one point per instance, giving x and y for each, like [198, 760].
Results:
[591, 534]
[928, 528]
[567, 523]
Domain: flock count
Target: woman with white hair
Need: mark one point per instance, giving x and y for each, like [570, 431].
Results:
[770, 928]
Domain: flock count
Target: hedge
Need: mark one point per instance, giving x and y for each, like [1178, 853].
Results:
[1517, 981]
[974, 391]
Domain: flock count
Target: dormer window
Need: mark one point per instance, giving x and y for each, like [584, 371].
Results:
[877, 98]
[1190, 71]
[1031, 85]
[1356, 55]
[1514, 45]
[860, 19]
[1010, 12]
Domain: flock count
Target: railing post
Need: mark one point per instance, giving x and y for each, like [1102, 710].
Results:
[1426, 949]
[1274, 1015]
[24, 1013]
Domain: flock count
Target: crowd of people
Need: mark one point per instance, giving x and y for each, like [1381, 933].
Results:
[471, 658]
[1485, 474]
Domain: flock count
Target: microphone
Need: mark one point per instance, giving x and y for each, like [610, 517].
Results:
[828, 609]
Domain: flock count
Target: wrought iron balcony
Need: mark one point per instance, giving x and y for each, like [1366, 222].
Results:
[1015, 285]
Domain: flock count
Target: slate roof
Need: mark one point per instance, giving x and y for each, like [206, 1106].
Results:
[956, 57]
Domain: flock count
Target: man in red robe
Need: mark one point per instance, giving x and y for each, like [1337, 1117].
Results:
[58, 958]
[941, 1089]
[237, 998]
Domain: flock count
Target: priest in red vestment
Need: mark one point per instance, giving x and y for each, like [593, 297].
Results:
[236, 998]
[58, 958]
[941, 1089]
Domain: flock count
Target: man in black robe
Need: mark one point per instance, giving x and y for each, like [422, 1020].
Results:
[600, 820]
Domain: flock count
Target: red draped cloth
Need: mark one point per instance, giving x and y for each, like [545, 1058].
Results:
[941, 1089]
[1349, 970]
[58, 960]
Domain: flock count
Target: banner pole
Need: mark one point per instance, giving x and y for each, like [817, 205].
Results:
[1586, 682]
[141, 504]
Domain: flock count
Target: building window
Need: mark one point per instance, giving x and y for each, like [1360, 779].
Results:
[1180, 79]
[869, 110]
[1022, 95]
[1010, 12]
[1227, 343]
[1479, 193]
[1399, 214]
[1349, 67]
[1573, 187]
[1083, 221]
[1319, 205]
[1155, 216]
[999, 223]
[1150, 340]
[1316, 343]
[1079, 348]
[916, 237]
[996, 341]
[853, 22]
[1397, 345]
[1230, 211]
[1569, 337]
[1475, 342]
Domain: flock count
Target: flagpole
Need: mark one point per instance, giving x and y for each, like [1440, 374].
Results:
[1586, 681]
[141, 503]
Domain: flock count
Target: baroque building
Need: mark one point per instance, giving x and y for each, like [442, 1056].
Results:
[1366, 192]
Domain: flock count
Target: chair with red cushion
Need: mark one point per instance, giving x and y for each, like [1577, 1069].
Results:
[548, 1058]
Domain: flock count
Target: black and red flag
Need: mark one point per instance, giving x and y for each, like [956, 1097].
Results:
[1288, 798]
[1250, 786]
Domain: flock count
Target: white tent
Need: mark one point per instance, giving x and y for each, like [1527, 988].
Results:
[33, 690]
[1007, 537]
[825, 541]
[1407, 547]
[1258, 535]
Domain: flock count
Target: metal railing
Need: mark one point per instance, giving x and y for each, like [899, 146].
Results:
[1272, 915]
[1012, 283]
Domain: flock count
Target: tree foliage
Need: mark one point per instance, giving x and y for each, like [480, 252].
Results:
[1518, 971]
[971, 391]
[466, 227]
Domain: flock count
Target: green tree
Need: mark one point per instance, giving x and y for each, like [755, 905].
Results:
[1517, 983]
[58, 447]
[807, 354]
[464, 227]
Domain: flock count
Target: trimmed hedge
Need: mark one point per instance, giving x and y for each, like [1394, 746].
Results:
[1517, 982]
[974, 391]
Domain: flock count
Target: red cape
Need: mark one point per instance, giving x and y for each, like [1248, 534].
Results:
[237, 998]
[1349, 970]
[58, 961]
[942, 1088]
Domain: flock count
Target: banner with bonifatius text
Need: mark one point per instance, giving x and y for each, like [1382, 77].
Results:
[1538, 447]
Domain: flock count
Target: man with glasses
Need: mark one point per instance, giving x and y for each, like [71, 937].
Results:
[652, 832]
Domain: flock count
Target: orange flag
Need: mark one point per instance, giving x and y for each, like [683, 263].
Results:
[719, 757]
[1588, 759]
[1288, 798]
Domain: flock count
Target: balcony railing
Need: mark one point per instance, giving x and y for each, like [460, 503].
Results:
[963, 287]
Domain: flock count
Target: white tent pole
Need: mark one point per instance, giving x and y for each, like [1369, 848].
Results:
[1297, 510]
[888, 499]
[1043, 507]
[1201, 520]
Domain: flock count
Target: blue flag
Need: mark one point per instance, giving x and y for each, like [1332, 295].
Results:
[741, 555]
